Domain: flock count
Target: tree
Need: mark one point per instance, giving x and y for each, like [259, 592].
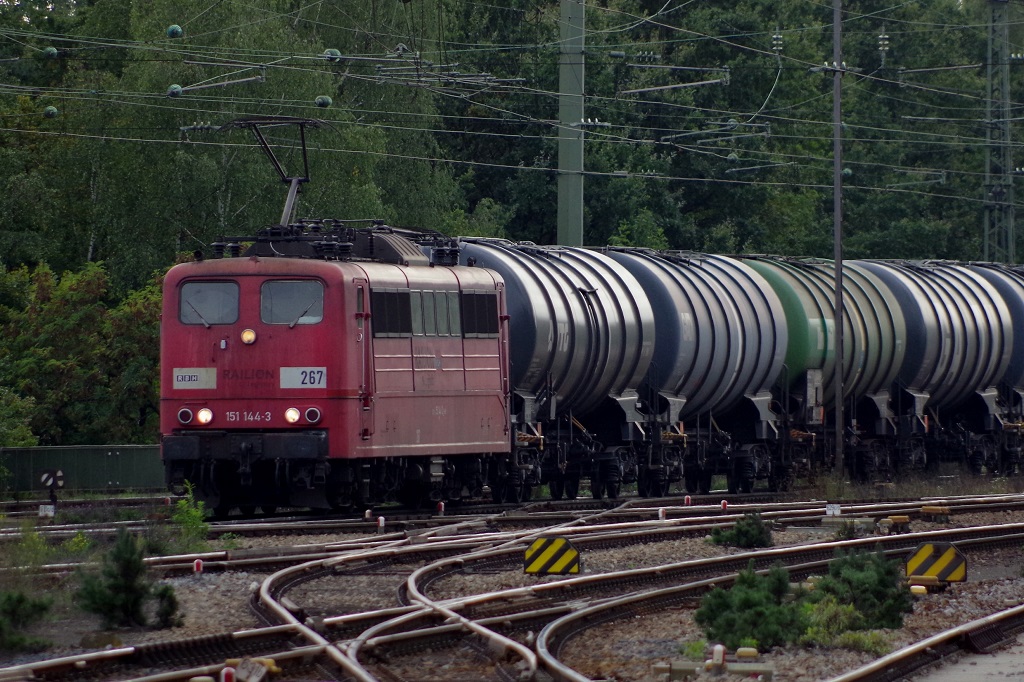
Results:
[75, 369]
[15, 415]
[119, 592]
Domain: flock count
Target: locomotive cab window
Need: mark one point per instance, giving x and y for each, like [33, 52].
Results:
[292, 302]
[208, 303]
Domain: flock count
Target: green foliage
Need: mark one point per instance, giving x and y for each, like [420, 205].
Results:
[828, 619]
[18, 611]
[77, 545]
[167, 615]
[869, 641]
[872, 584]
[641, 230]
[749, 531]
[755, 611]
[119, 593]
[694, 650]
[31, 549]
[847, 530]
[74, 370]
[15, 416]
[230, 541]
[861, 593]
[189, 517]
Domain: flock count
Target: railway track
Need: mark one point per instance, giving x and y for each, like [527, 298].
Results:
[512, 633]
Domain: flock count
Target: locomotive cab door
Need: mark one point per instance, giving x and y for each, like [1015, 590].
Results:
[365, 350]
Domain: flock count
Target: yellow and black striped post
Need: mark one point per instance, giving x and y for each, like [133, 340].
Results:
[551, 556]
[937, 562]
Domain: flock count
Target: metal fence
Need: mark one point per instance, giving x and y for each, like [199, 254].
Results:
[98, 468]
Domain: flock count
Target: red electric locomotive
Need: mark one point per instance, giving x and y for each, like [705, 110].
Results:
[331, 366]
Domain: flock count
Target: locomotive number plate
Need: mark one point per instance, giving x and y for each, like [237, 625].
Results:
[303, 377]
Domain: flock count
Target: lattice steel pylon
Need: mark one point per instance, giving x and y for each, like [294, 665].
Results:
[999, 230]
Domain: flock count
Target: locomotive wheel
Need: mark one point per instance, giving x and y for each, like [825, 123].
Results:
[613, 490]
[557, 488]
[705, 482]
[690, 480]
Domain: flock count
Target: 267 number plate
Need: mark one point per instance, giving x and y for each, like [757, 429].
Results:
[303, 377]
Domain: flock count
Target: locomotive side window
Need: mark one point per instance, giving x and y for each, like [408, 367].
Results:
[454, 318]
[292, 302]
[479, 314]
[429, 314]
[391, 312]
[435, 313]
[208, 303]
[417, 312]
[441, 305]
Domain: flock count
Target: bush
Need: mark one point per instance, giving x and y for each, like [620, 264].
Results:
[190, 518]
[31, 550]
[167, 607]
[118, 594]
[828, 619]
[756, 611]
[868, 641]
[872, 584]
[861, 593]
[847, 530]
[18, 611]
[750, 531]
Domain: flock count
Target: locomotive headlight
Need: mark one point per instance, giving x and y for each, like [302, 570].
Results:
[248, 336]
[204, 416]
[291, 415]
[312, 415]
[185, 415]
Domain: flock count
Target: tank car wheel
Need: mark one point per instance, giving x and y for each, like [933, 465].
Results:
[976, 462]
[247, 509]
[268, 509]
[221, 511]
[651, 486]
[572, 488]
[613, 490]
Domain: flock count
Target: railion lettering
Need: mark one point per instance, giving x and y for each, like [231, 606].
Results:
[248, 374]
